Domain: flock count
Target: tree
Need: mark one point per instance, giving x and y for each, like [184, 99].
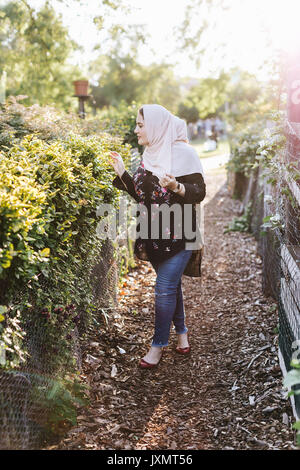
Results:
[159, 85]
[34, 48]
[247, 98]
[200, 15]
[189, 113]
[124, 79]
[209, 95]
[121, 77]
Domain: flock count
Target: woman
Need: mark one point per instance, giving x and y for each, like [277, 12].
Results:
[170, 173]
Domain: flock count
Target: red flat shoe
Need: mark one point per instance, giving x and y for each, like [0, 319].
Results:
[148, 365]
[183, 351]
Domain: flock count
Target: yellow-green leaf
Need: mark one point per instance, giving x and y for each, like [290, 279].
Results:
[45, 252]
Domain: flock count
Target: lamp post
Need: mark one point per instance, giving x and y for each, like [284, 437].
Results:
[81, 92]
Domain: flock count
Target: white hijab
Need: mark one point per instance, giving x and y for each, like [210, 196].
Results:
[168, 150]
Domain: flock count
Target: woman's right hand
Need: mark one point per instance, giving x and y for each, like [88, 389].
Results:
[116, 162]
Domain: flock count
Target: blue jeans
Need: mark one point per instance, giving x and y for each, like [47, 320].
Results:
[168, 297]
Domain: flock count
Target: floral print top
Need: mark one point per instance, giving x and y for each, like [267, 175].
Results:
[164, 237]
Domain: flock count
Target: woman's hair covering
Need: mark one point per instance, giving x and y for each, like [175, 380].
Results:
[167, 150]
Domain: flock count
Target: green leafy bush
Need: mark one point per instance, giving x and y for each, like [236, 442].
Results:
[48, 123]
[277, 170]
[121, 121]
[242, 223]
[291, 380]
[60, 399]
[49, 193]
[243, 148]
[53, 175]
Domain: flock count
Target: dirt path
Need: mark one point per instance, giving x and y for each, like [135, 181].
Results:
[228, 394]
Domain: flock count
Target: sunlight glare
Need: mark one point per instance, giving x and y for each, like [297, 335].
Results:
[282, 22]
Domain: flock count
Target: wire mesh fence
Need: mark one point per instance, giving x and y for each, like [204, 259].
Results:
[30, 392]
[275, 222]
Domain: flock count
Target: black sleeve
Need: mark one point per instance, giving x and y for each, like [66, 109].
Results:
[195, 188]
[125, 184]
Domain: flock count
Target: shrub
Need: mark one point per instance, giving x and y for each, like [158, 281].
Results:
[54, 174]
[292, 381]
[49, 193]
[243, 148]
[121, 121]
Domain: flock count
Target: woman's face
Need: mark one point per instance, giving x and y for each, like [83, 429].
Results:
[140, 130]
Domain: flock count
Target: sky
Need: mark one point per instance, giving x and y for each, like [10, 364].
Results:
[244, 29]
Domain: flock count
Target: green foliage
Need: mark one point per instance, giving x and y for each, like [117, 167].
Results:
[54, 172]
[189, 113]
[236, 95]
[243, 148]
[252, 149]
[269, 157]
[272, 222]
[60, 400]
[49, 192]
[34, 48]
[249, 100]
[291, 380]
[271, 145]
[123, 79]
[119, 81]
[121, 121]
[195, 22]
[242, 223]
[50, 124]
[12, 335]
[207, 97]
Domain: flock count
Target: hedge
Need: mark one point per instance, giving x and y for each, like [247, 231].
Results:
[50, 188]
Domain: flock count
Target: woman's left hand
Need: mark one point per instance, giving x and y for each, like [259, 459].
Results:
[168, 181]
